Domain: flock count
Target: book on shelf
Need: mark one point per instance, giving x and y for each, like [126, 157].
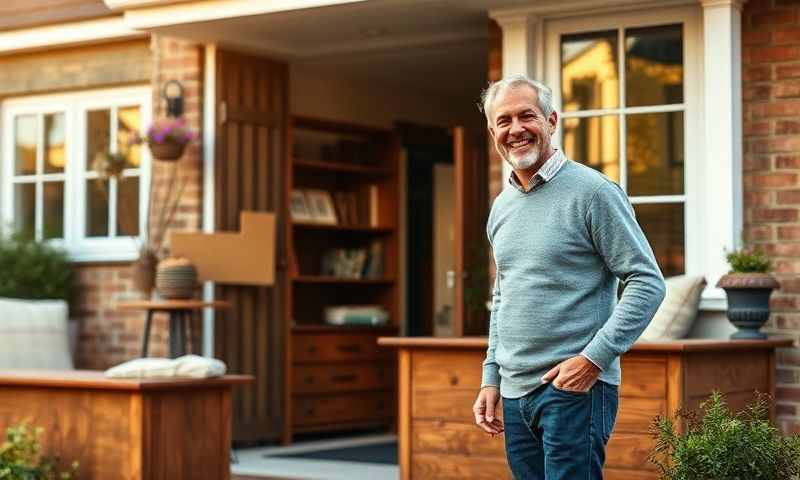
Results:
[355, 263]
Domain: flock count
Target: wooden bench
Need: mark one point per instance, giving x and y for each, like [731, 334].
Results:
[126, 429]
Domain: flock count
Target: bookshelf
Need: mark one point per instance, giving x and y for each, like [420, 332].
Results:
[343, 239]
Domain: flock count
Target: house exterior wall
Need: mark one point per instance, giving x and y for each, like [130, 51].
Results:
[107, 336]
[771, 96]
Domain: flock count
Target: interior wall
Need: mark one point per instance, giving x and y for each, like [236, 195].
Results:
[334, 96]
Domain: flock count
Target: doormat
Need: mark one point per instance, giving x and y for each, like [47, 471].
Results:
[382, 453]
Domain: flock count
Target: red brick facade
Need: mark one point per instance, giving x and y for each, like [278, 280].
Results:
[771, 96]
[107, 336]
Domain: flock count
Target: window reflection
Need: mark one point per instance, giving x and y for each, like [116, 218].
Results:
[25, 208]
[25, 145]
[589, 78]
[663, 226]
[654, 66]
[128, 206]
[54, 145]
[52, 212]
[654, 152]
[96, 208]
[128, 123]
[98, 131]
[594, 141]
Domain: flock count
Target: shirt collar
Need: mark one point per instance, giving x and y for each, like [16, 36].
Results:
[545, 173]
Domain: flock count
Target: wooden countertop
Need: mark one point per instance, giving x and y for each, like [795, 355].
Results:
[95, 380]
[687, 345]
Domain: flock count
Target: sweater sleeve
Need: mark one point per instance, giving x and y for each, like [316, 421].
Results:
[491, 371]
[627, 254]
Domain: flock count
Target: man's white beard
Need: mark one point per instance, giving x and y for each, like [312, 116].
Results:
[525, 162]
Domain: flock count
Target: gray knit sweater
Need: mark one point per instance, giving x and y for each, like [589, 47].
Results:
[559, 250]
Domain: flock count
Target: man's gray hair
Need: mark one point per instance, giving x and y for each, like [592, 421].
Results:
[543, 94]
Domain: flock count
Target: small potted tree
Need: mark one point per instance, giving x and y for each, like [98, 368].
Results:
[724, 445]
[748, 286]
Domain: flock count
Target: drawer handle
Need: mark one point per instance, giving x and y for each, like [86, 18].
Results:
[310, 411]
[312, 349]
[309, 380]
[454, 380]
[352, 348]
[344, 378]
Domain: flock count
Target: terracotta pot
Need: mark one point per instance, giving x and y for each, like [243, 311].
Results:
[168, 151]
[144, 273]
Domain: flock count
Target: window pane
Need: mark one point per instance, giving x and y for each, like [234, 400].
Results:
[654, 66]
[589, 78]
[96, 208]
[663, 226]
[25, 208]
[54, 151]
[594, 141]
[53, 210]
[654, 149]
[128, 123]
[98, 131]
[128, 206]
[25, 145]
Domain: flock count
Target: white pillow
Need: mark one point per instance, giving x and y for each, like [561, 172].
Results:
[34, 334]
[187, 366]
[678, 311]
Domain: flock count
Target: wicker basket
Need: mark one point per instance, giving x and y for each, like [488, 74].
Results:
[176, 279]
[168, 151]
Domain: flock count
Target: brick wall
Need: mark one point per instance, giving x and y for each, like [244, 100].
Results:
[107, 336]
[771, 93]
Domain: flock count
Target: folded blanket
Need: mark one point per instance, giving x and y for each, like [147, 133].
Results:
[187, 366]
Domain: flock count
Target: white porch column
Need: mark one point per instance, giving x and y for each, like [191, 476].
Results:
[522, 48]
[722, 102]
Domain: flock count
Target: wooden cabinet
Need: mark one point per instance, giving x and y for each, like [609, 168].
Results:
[338, 377]
[439, 379]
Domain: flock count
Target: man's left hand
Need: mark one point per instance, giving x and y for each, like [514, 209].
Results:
[576, 374]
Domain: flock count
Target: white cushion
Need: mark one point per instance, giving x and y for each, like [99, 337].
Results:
[678, 311]
[34, 334]
[187, 366]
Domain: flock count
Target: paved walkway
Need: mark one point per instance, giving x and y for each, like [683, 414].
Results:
[258, 463]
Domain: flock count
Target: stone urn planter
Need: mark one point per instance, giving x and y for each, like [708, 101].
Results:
[748, 302]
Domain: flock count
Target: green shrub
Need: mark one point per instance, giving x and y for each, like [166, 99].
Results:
[748, 260]
[20, 457]
[725, 446]
[34, 270]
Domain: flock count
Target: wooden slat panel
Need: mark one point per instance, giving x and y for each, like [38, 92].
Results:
[436, 436]
[427, 466]
[252, 338]
[342, 377]
[630, 450]
[636, 414]
[726, 372]
[643, 379]
[446, 370]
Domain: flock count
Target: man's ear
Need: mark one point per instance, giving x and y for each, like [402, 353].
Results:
[552, 120]
[491, 131]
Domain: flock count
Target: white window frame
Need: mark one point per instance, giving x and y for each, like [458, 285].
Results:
[691, 106]
[75, 105]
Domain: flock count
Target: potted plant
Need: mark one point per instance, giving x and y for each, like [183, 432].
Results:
[748, 286]
[724, 445]
[167, 138]
[20, 457]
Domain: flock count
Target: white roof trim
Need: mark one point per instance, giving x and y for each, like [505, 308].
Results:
[192, 12]
[560, 8]
[89, 31]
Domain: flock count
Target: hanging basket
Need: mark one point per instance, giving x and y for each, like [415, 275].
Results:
[167, 151]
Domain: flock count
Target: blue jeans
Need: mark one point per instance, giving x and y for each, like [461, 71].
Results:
[552, 434]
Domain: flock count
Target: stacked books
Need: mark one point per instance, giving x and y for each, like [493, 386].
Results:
[373, 315]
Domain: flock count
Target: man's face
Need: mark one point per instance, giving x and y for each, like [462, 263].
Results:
[520, 130]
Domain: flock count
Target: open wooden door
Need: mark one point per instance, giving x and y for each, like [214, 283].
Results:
[251, 132]
[471, 266]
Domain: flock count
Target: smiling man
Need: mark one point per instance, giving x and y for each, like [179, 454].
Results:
[563, 236]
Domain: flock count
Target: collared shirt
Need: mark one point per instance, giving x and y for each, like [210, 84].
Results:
[547, 171]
